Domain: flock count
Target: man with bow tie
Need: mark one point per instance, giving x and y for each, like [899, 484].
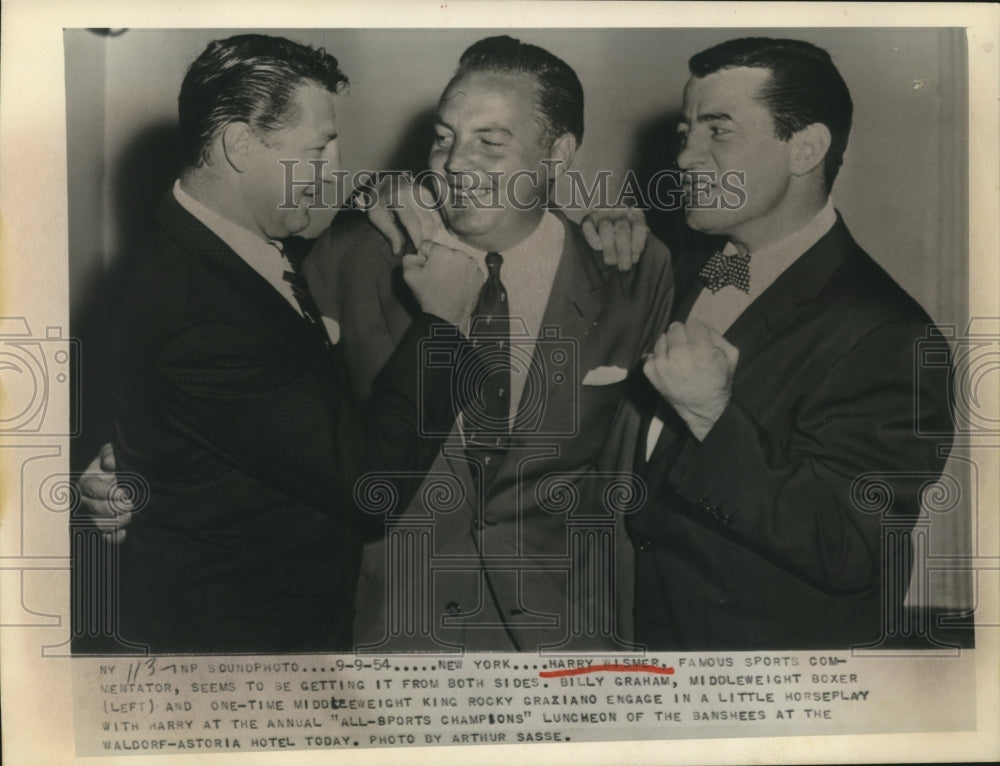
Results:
[787, 373]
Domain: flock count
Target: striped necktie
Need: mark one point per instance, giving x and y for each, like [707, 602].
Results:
[484, 385]
[310, 311]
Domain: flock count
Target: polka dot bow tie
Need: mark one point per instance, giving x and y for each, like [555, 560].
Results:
[722, 270]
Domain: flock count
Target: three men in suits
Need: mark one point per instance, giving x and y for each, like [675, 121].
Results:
[507, 566]
[787, 377]
[231, 400]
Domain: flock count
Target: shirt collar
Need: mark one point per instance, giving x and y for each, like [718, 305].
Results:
[252, 248]
[768, 263]
[546, 238]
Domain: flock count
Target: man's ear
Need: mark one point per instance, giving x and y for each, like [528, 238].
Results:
[236, 141]
[561, 155]
[809, 148]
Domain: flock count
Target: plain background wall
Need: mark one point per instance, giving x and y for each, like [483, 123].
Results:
[902, 190]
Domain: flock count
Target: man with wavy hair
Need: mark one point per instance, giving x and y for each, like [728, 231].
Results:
[229, 394]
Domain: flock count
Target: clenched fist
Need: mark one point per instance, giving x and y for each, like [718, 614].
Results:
[692, 367]
[445, 282]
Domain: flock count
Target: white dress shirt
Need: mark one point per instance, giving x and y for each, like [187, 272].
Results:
[266, 257]
[721, 309]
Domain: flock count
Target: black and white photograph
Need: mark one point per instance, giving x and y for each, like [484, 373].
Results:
[472, 381]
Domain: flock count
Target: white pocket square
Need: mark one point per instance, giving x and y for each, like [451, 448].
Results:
[332, 329]
[605, 376]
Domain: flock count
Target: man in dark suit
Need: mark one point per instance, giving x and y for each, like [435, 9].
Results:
[786, 380]
[230, 398]
[524, 557]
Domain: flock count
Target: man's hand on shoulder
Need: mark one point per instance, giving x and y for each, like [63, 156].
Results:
[692, 367]
[99, 498]
[620, 233]
[399, 209]
[445, 282]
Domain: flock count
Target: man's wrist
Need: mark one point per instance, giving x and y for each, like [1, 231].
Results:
[444, 326]
[701, 423]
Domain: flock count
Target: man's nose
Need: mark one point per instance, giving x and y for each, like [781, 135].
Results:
[332, 157]
[691, 153]
[460, 158]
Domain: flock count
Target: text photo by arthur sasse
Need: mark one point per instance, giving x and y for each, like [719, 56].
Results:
[536, 341]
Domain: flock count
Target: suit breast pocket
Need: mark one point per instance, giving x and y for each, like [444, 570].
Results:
[597, 399]
[597, 408]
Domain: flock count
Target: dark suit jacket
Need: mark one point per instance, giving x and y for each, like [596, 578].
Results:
[504, 588]
[757, 538]
[234, 412]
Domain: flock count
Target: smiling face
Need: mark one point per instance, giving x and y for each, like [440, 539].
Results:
[312, 135]
[489, 137]
[725, 128]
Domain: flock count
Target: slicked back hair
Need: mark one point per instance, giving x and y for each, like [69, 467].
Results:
[804, 88]
[251, 79]
[559, 96]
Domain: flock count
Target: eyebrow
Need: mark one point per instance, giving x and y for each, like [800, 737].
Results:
[703, 118]
[490, 129]
[494, 129]
[713, 117]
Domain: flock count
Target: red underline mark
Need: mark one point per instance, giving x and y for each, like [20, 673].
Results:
[666, 671]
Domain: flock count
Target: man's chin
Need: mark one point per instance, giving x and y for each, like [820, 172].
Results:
[284, 231]
[706, 221]
[297, 222]
[466, 221]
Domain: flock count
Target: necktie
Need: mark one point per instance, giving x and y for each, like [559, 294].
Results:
[722, 270]
[485, 379]
[306, 303]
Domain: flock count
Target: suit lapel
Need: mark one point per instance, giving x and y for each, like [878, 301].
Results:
[397, 302]
[458, 463]
[689, 286]
[685, 304]
[774, 310]
[574, 304]
[194, 237]
[793, 292]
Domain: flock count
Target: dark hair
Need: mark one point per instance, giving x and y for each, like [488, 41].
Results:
[805, 88]
[560, 95]
[251, 79]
